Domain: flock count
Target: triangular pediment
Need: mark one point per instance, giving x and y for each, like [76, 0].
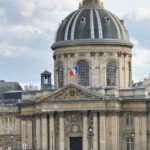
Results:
[72, 92]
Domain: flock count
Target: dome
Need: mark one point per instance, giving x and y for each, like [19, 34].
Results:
[93, 23]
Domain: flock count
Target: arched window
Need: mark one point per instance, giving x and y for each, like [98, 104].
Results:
[111, 74]
[60, 75]
[129, 144]
[83, 73]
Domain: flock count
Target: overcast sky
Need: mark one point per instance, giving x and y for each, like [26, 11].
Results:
[27, 29]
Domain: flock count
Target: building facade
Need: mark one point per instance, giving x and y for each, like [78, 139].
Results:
[93, 108]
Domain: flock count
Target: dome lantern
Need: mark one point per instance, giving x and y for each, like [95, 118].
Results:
[92, 3]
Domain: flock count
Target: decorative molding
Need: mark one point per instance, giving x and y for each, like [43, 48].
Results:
[101, 53]
[92, 53]
[71, 54]
[73, 123]
[65, 55]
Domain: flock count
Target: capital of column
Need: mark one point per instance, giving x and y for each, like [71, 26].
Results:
[94, 112]
[61, 113]
[51, 114]
[84, 112]
[44, 115]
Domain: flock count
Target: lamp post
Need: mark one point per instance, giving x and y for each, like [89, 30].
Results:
[133, 134]
[90, 134]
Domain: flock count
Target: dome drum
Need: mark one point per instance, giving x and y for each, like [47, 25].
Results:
[96, 42]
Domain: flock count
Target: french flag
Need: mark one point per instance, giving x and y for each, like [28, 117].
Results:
[73, 71]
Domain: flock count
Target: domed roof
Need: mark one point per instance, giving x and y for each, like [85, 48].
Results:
[90, 22]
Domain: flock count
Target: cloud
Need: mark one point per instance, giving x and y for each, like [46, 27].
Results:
[138, 25]
[140, 61]
[27, 30]
[139, 14]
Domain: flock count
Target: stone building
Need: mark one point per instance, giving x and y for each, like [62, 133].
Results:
[10, 94]
[96, 108]
[145, 83]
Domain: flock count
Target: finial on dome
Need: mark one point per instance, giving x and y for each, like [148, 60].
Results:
[92, 3]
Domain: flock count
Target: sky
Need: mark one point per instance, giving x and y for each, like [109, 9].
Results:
[27, 30]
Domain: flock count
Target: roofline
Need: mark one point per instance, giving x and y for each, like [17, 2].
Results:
[83, 42]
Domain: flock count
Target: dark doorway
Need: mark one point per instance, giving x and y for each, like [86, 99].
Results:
[75, 143]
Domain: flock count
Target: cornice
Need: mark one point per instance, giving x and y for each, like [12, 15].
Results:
[94, 42]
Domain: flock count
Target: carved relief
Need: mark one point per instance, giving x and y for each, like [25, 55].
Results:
[77, 94]
[73, 123]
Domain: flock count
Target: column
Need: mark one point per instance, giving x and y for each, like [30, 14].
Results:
[95, 131]
[38, 132]
[29, 134]
[85, 131]
[44, 132]
[137, 132]
[52, 131]
[61, 131]
[102, 123]
[115, 132]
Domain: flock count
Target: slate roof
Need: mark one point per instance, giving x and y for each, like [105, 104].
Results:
[91, 23]
[46, 73]
[8, 86]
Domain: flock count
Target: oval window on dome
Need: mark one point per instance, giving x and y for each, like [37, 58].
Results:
[83, 20]
[111, 73]
[83, 73]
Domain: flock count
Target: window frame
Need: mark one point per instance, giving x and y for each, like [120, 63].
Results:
[83, 73]
[60, 75]
[111, 73]
[129, 143]
[129, 120]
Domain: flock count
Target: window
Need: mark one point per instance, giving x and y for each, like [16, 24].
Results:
[129, 66]
[129, 120]
[8, 125]
[130, 144]
[83, 73]
[83, 20]
[60, 76]
[6, 120]
[111, 74]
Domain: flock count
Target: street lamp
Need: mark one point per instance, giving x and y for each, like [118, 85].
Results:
[90, 134]
[133, 134]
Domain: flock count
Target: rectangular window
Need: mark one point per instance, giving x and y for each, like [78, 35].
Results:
[130, 144]
[6, 119]
[129, 120]
[8, 124]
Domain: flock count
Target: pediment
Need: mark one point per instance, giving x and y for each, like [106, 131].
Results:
[72, 92]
